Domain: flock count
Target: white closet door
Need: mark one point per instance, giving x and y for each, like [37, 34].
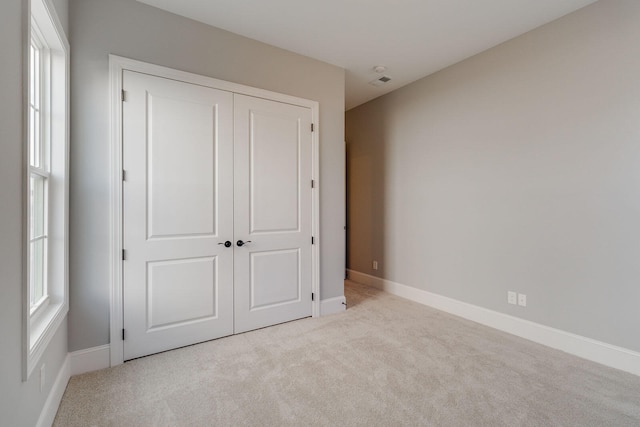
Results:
[178, 209]
[273, 167]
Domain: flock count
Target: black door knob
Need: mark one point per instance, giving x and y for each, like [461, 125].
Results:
[226, 244]
[241, 243]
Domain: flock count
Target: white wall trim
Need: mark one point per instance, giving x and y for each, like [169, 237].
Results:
[577, 345]
[90, 359]
[333, 305]
[117, 65]
[50, 408]
[75, 363]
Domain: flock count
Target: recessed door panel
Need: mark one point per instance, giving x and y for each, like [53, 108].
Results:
[275, 175]
[275, 278]
[181, 291]
[181, 158]
[178, 207]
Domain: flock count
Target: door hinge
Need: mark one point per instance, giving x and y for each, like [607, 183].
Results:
[313, 296]
[123, 335]
[124, 175]
[311, 127]
[124, 256]
[312, 240]
[313, 184]
[123, 95]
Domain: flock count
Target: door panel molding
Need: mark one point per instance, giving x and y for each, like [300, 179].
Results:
[260, 301]
[117, 66]
[208, 303]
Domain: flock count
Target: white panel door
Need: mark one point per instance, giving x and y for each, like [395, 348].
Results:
[178, 212]
[273, 170]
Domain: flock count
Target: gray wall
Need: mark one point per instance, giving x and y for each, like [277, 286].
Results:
[517, 169]
[138, 31]
[20, 402]
[62, 9]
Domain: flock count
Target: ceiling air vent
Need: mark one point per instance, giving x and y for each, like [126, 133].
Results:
[380, 81]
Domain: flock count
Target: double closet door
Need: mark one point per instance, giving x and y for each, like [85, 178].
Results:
[216, 211]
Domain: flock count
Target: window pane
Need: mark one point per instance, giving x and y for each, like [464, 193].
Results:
[37, 206]
[35, 83]
[37, 268]
[37, 140]
[36, 78]
[32, 87]
[32, 136]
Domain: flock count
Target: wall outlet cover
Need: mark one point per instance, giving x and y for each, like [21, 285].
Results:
[522, 300]
[512, 297]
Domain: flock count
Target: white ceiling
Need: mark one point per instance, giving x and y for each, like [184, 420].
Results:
[412, 38]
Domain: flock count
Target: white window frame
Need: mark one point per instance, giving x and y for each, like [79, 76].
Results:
[38, 103]
[43, 319]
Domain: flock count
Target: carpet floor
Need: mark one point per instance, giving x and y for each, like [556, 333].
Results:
[385, 361]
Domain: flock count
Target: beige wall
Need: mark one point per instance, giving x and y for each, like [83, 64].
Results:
[20, 402]
[132, 29]
[517, 169]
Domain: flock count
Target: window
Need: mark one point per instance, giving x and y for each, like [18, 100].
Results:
[46, 186]
[38, 176]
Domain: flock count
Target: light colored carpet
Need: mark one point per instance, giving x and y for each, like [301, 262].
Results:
[385, 361]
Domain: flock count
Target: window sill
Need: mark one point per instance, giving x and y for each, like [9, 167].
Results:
[42, 329]
[39, 309]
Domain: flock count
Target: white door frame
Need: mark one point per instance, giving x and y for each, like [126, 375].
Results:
[117, 65]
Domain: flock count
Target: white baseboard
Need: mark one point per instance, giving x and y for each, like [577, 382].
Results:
[586, 348]
[50, 408]
[333, 305]
[90, 359]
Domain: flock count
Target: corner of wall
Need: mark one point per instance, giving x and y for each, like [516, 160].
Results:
[583, 347]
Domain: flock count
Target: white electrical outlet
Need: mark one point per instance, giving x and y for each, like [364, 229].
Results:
[512, 297]
[375, 265]
[42, 378]
[522, 300]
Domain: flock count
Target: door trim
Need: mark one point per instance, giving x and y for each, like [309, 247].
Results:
[117, 65]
